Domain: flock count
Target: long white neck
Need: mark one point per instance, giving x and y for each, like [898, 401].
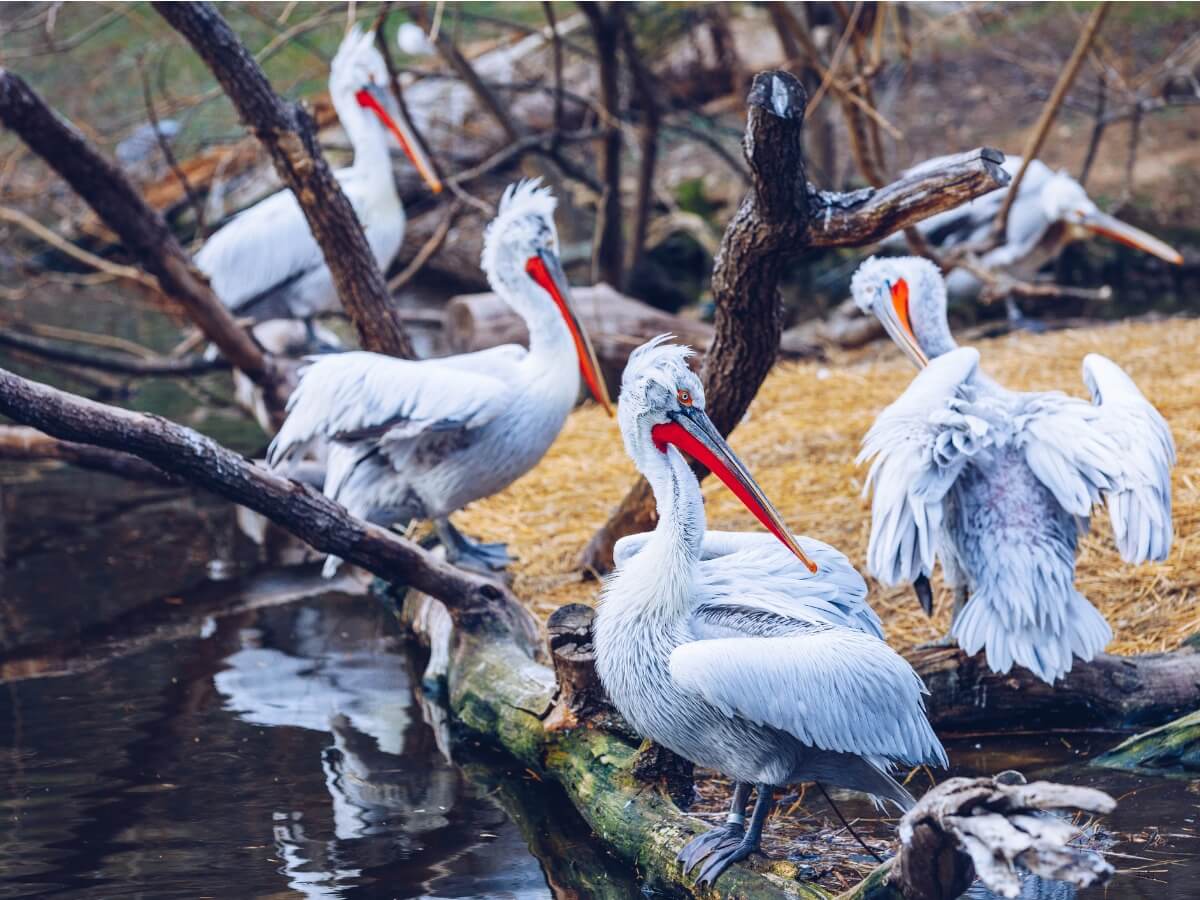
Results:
[670, 557]
[368, 137]
[550, 343]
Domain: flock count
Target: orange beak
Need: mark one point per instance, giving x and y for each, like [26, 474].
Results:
[692, 431]
[897, 322]
[373, 98]
[1114, 229]
[547, 271]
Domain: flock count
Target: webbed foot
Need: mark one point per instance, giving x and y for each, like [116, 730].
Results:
[723, 837]
[724, 857]
[471, 554]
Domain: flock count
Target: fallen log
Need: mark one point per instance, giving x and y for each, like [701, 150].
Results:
[1109, 691]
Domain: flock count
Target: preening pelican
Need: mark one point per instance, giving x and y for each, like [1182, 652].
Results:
[752, 654]
[423, 439]
[265, 262]
[998, 484]
[1051, 211]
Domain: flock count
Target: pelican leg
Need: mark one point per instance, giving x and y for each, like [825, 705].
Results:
[948, 639]
[722, 859]
[1017, 321]
[723, 836]
[470, 554]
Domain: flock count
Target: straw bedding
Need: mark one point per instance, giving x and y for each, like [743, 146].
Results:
[800, 439]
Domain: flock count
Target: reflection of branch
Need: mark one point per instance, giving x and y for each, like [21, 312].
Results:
[1049, 111]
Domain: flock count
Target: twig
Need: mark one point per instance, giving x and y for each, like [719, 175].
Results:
[21, 444]
[643, 83]
[557, 48]
[1098, 127]
[40, 231]
[428, 249]
[385, 50]
[1049, 111]
[164, 145]
[139, 366]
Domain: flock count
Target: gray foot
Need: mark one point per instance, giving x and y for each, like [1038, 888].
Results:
[471, 554]
[721, 838]
[724, 857]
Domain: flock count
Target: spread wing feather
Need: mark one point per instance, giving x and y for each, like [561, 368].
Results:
[1117, 448]
[918, 446]
[362, 396]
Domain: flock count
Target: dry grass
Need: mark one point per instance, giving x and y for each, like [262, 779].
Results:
[800, 439]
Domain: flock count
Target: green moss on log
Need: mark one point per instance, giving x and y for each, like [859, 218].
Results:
[1173, 748]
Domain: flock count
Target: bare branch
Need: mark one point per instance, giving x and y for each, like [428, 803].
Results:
[119, 364]
[608, 259]
[20, 444]
[287, 132]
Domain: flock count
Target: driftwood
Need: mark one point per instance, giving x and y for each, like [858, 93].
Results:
[288, 133]
[780, 217]
[142, 231]
[616, 324]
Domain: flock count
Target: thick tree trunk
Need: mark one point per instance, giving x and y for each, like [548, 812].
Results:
[287, 132]
[780, 217]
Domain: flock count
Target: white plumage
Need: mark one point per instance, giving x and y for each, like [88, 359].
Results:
[265, 262]
[421, 439]
[1051, 211]
[998, 484]
[729, 649]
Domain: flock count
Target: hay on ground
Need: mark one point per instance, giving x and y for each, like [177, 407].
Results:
[800, 440]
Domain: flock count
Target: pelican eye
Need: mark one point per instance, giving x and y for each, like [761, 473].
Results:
[685, 396]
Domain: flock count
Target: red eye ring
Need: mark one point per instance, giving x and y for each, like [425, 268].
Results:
[685, 396]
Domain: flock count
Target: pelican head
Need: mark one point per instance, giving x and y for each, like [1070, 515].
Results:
[662, 406]
[358, 78]
[1064, 200]
[908, 296]
[520, 259]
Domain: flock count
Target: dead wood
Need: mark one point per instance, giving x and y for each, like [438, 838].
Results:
[20, 444]
[607, 21]
[779, 218]
[141, 230]
[117, 363]
[288, 133]
[476, 604]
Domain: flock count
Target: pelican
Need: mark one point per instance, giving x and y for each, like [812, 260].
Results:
[423, 439]
[265, 262]
[999, 484]
[752, 654]
[1051, 211]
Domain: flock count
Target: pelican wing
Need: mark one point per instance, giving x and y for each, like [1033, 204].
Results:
[259, 250]
[1117, 448]
[917, 447]
[758, 576]
[368, 397]
[832, 688]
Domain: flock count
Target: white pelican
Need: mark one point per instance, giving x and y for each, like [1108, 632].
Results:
[423, 439]
[1051, 211]
[265, 262]
[999, 484]
[757, 657]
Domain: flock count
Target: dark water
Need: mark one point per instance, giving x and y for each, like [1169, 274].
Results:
[165, 733]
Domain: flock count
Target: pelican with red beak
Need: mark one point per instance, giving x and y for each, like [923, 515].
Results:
[265, 263]
[752, 654]
[420, 439]
[997, 485]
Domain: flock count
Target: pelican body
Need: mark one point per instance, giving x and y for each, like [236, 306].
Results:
[998, 484]
[265, 263]
[1051, 211]
[752, 654]
[421, 439]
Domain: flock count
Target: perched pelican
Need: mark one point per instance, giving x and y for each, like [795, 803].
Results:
[999, 484]
[757, 657]
[1051, 211]
[423, 439]
[265, 262]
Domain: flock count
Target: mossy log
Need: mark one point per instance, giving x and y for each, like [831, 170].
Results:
[1171, 749]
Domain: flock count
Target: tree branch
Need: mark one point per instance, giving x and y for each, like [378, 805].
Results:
[287, 132]
[20, 444]
[141, 230]
[477, 604]
[120, 364]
